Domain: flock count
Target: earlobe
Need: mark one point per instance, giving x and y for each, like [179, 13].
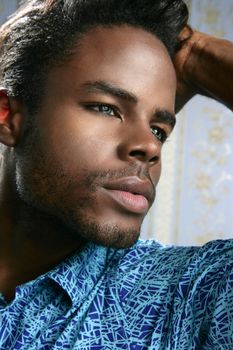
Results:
[4, 107]
[10, 120]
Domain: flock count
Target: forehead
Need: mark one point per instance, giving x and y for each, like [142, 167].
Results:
[129, 57]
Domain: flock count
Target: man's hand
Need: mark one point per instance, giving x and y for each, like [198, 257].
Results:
[186, 88]
[204, 65]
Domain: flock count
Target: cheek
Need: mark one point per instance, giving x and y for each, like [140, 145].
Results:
[82, 145]
[155, 173]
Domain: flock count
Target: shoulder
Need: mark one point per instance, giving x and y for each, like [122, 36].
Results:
[203, 299]
[151, 261]
[153, 251]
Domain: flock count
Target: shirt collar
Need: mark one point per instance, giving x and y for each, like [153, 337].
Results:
[79, 274]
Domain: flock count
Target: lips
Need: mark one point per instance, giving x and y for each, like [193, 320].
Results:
[132, 194]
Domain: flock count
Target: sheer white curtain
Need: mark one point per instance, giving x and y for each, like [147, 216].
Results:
[195, 195]
[6, 8]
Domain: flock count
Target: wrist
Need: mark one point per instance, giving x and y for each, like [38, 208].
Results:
[193, 66]
[208, 67]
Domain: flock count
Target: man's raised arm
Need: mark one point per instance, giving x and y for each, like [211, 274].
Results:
[204, 65]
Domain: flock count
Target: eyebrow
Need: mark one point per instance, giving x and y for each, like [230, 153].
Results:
[99, 86]
[109, 89]
[165, 117]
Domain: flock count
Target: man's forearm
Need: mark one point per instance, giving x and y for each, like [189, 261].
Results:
[209, 68]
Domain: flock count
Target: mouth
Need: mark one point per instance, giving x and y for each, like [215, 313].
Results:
[132, 194]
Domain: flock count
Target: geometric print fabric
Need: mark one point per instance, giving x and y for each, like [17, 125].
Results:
[148, 296]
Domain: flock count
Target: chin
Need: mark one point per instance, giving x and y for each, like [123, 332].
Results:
[113, 236]
[122, 239]
[108, 235]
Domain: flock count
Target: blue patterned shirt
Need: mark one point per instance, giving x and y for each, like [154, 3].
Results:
[149, 296]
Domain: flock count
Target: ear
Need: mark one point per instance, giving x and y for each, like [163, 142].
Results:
[11, 119]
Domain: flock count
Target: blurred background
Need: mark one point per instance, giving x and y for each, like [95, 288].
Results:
[194, 202]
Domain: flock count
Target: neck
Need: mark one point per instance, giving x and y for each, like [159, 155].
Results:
[31, 243]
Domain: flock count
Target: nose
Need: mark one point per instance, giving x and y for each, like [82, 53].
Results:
[138, 143]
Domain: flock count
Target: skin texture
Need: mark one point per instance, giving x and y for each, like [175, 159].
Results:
[102, 121]
[203, 66]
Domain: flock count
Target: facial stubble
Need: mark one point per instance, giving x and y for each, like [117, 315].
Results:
[45, 188]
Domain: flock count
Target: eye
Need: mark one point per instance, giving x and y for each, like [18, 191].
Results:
[159, 133]
[104, 109]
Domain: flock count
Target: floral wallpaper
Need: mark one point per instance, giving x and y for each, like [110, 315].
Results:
[195, 194]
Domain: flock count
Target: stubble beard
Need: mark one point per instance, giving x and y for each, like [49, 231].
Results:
[39, 182]
[75, 221]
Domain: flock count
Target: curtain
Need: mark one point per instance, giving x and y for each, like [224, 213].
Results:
[7, 7]
[195, 195]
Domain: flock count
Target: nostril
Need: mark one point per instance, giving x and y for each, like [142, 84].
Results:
[154, 159]
[137, 153]
[140, 154]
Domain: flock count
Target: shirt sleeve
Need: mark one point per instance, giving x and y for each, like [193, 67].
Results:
[219, 324]
[203, 305]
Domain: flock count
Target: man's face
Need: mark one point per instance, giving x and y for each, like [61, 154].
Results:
[94, 157]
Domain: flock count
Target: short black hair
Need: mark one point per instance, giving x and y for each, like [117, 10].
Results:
[43, 33]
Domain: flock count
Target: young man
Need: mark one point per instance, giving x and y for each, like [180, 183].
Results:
[87, 100]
